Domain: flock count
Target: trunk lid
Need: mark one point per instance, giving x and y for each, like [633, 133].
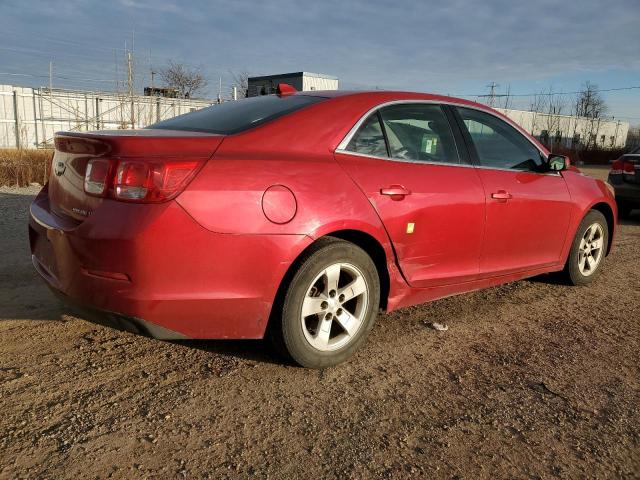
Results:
[73, 150]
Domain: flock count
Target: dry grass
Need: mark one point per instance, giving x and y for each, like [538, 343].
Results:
[20, 167]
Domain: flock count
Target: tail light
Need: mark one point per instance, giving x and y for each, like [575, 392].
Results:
[139, 180]
[616, 167]
[628, 168]
[96, 177]
[625, 167]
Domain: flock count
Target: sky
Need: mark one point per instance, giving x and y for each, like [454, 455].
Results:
[452, 47]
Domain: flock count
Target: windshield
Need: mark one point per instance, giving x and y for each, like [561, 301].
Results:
[237, 116]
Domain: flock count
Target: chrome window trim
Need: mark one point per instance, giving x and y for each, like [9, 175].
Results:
[442, 164]
[404, 160]
[342, 146]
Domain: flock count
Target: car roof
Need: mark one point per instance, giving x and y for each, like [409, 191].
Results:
[389, 95]
[375, 98]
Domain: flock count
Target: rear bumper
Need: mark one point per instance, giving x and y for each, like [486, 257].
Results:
[115, 320]
[628, 193]
[155, 270]
[625, 191]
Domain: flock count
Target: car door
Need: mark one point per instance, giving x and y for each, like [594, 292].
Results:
[405, 159]
[528, 207]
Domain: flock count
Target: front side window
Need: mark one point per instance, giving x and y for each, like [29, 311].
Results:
[419, 132]
[498, 144]
[369, 139]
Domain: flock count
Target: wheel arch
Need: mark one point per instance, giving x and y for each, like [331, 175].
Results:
[609, 215]
[366, 241]
[375, 250]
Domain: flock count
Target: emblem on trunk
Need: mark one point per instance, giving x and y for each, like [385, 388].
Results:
[60, 168]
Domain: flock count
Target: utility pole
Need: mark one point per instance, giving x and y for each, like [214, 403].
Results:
[50, 91]
[152, 73]
[130, 85]
[507, 97]
[220, 91]
[115, 60]
[492, 93]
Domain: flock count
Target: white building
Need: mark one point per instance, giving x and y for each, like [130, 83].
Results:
[301, 81]
[29, 117]
[570, 131]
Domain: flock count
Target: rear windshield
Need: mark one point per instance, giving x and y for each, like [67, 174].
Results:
[234, 117]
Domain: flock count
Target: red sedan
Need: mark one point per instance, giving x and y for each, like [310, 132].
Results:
[300, 215]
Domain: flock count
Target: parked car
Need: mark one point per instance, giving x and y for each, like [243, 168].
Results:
[625, 178]
[298, 216]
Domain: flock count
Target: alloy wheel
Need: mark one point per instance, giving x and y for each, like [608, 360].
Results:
[334, 306]
[590, 249]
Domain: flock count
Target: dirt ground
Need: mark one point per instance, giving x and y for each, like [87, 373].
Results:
[533, 379]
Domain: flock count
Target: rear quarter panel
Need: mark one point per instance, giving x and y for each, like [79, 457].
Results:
[226, 197]
[295, 151]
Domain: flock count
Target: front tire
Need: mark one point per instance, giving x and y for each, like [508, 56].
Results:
[588, 249]
[330, 305]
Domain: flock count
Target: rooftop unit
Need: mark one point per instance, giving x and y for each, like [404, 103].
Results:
[301, 81]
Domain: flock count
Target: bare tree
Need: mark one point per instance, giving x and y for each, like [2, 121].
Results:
[537, 105]
[554, 106]
[241, 81]
[589, 102]
[590, 105]
[187, 81]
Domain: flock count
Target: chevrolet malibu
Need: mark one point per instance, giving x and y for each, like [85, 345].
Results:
[298, 216]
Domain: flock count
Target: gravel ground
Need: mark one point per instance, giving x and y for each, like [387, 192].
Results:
[533, 379]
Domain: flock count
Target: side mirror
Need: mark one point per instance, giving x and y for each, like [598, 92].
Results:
[557, 163]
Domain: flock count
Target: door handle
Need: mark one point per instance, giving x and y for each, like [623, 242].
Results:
[396, 192]
[501, 195]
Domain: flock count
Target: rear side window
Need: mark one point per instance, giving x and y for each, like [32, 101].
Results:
[369, 140]
[419, 132]
[415, 132]
[234, 117]
[498, 144]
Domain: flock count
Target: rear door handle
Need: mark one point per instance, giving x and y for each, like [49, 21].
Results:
[396, 192]
[501, 195]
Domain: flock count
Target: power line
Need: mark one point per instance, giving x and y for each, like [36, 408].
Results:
[540, 94]
[64, 77]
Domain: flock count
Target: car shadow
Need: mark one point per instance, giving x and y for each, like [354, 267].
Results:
[23, 295]
[259, 351]
[633, 219]
[553, 278]
[557, 278]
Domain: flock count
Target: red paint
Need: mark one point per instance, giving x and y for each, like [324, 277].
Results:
[279, 204]
[208, 262]
[442, 199]
[527, 227]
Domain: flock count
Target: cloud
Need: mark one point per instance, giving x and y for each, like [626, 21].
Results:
[402, 44]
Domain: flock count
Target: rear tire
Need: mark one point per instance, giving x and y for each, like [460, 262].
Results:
[588, 249]
[330, 305]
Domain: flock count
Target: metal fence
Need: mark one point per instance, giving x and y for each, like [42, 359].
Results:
[29, 117]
